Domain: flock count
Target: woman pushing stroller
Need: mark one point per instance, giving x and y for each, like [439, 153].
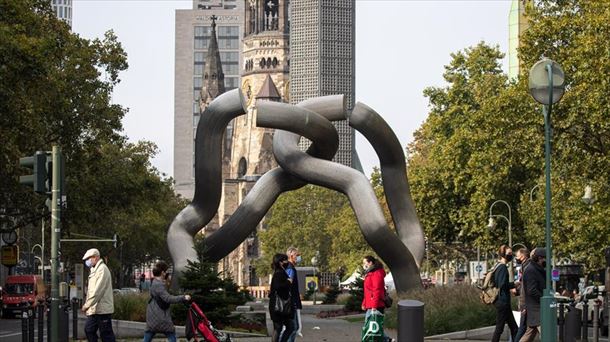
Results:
[158, 317]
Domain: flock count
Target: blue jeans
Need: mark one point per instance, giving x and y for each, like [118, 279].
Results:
[366, 317]
[101, 322]
[295, 325]
[148, 336]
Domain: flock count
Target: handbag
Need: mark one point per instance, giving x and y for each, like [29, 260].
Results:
[283, 307]
[387, 300]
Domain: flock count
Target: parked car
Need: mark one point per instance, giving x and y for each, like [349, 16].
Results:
[20, 290]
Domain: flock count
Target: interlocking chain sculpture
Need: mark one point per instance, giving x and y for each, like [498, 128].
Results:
[312, 119]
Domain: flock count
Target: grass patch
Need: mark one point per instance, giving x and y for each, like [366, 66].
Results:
[355, 319]
[447, 309]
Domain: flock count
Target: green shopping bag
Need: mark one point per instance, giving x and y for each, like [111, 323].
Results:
[372, 331]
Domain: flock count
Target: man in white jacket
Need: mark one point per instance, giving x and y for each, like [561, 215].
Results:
[99, 306]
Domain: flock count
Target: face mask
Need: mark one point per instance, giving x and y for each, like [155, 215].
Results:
[508, 257]
[166, 276]
[299, 259]
[543, 264]
[519, 262]
[88, 263]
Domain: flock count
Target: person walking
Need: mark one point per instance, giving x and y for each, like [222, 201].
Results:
[99, 305]
[522, 259]
[374, 288]
[280, 287]
[158, 317]
[504, 313]
[294, 258]
[142, 280]
[534, 284]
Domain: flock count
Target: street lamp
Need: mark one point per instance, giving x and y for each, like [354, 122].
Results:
[547, 85]
[492, 225]
[314, 263]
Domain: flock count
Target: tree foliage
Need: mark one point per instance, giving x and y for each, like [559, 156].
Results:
[56, 88]
[484, 140]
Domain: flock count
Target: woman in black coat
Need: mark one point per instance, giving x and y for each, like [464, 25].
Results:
[280, 286]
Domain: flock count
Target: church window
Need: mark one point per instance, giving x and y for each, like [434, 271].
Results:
[242, 167]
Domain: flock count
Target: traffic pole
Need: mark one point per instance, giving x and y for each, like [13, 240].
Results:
[55, 236]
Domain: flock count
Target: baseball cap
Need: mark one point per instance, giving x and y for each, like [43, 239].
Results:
[90, 253]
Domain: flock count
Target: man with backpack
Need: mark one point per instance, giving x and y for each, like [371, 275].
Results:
[504, 314]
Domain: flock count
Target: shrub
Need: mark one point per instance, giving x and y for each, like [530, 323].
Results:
[343, 298]
[354, 303]
[331, 295]
[448, 309]
[130, 307]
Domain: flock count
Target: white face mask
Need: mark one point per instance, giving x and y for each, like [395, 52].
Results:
[89, 263]
[299, 259]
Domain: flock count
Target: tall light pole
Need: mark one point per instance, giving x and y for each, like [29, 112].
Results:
[546, 85]
[492, 225]
[314, 263]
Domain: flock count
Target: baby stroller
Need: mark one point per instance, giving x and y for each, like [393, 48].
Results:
[197, 324]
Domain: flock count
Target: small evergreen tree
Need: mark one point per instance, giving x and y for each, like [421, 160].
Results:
[331, 294]
[354, 303]
[215, 296]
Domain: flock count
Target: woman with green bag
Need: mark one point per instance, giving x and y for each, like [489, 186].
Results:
[373, 301]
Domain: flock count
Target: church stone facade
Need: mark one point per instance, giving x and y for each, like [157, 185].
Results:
[248, 149]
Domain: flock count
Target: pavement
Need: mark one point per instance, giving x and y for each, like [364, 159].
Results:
[314, 330]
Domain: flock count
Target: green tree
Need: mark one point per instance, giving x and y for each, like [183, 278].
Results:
[55, 88]
[484, 140]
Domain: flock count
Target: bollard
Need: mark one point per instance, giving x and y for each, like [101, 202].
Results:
[410, 321]
[25, 329]
[561, 322]
[75, 318]
[65, 320]
[41, 310]
[596, 322]
[585, 322]
[31, 314]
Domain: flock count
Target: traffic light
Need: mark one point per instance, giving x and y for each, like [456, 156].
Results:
[38, 178]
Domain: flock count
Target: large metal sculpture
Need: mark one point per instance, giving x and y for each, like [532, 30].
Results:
[402, 252]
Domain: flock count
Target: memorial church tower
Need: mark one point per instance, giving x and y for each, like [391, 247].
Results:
[264, 78]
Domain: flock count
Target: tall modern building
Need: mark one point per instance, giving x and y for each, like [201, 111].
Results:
[63, 10]
[193, 31]
[322, 51]
[517, 24]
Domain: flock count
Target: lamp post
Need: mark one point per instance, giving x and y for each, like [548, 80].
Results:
[492, 225]
[314, 263]
[546, 85]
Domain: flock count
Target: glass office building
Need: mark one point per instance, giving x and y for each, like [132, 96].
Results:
[192, 38]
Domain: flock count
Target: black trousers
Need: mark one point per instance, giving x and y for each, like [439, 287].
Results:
[504, 315]
[277, 329]
[104, 324]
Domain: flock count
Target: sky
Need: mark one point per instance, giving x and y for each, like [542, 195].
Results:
[402, 47]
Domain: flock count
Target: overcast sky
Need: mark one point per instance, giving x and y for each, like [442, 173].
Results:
[401, 48]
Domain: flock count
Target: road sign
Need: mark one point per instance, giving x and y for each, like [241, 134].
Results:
[477, 269]
[10, 255]
[555, 274]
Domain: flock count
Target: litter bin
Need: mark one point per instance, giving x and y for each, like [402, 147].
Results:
[572, 324]
[410, 321]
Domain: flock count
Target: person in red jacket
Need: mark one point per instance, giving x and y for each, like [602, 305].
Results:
[374, 288]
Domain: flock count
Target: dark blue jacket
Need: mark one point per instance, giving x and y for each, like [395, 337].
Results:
[503, 283]
[296, 296]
